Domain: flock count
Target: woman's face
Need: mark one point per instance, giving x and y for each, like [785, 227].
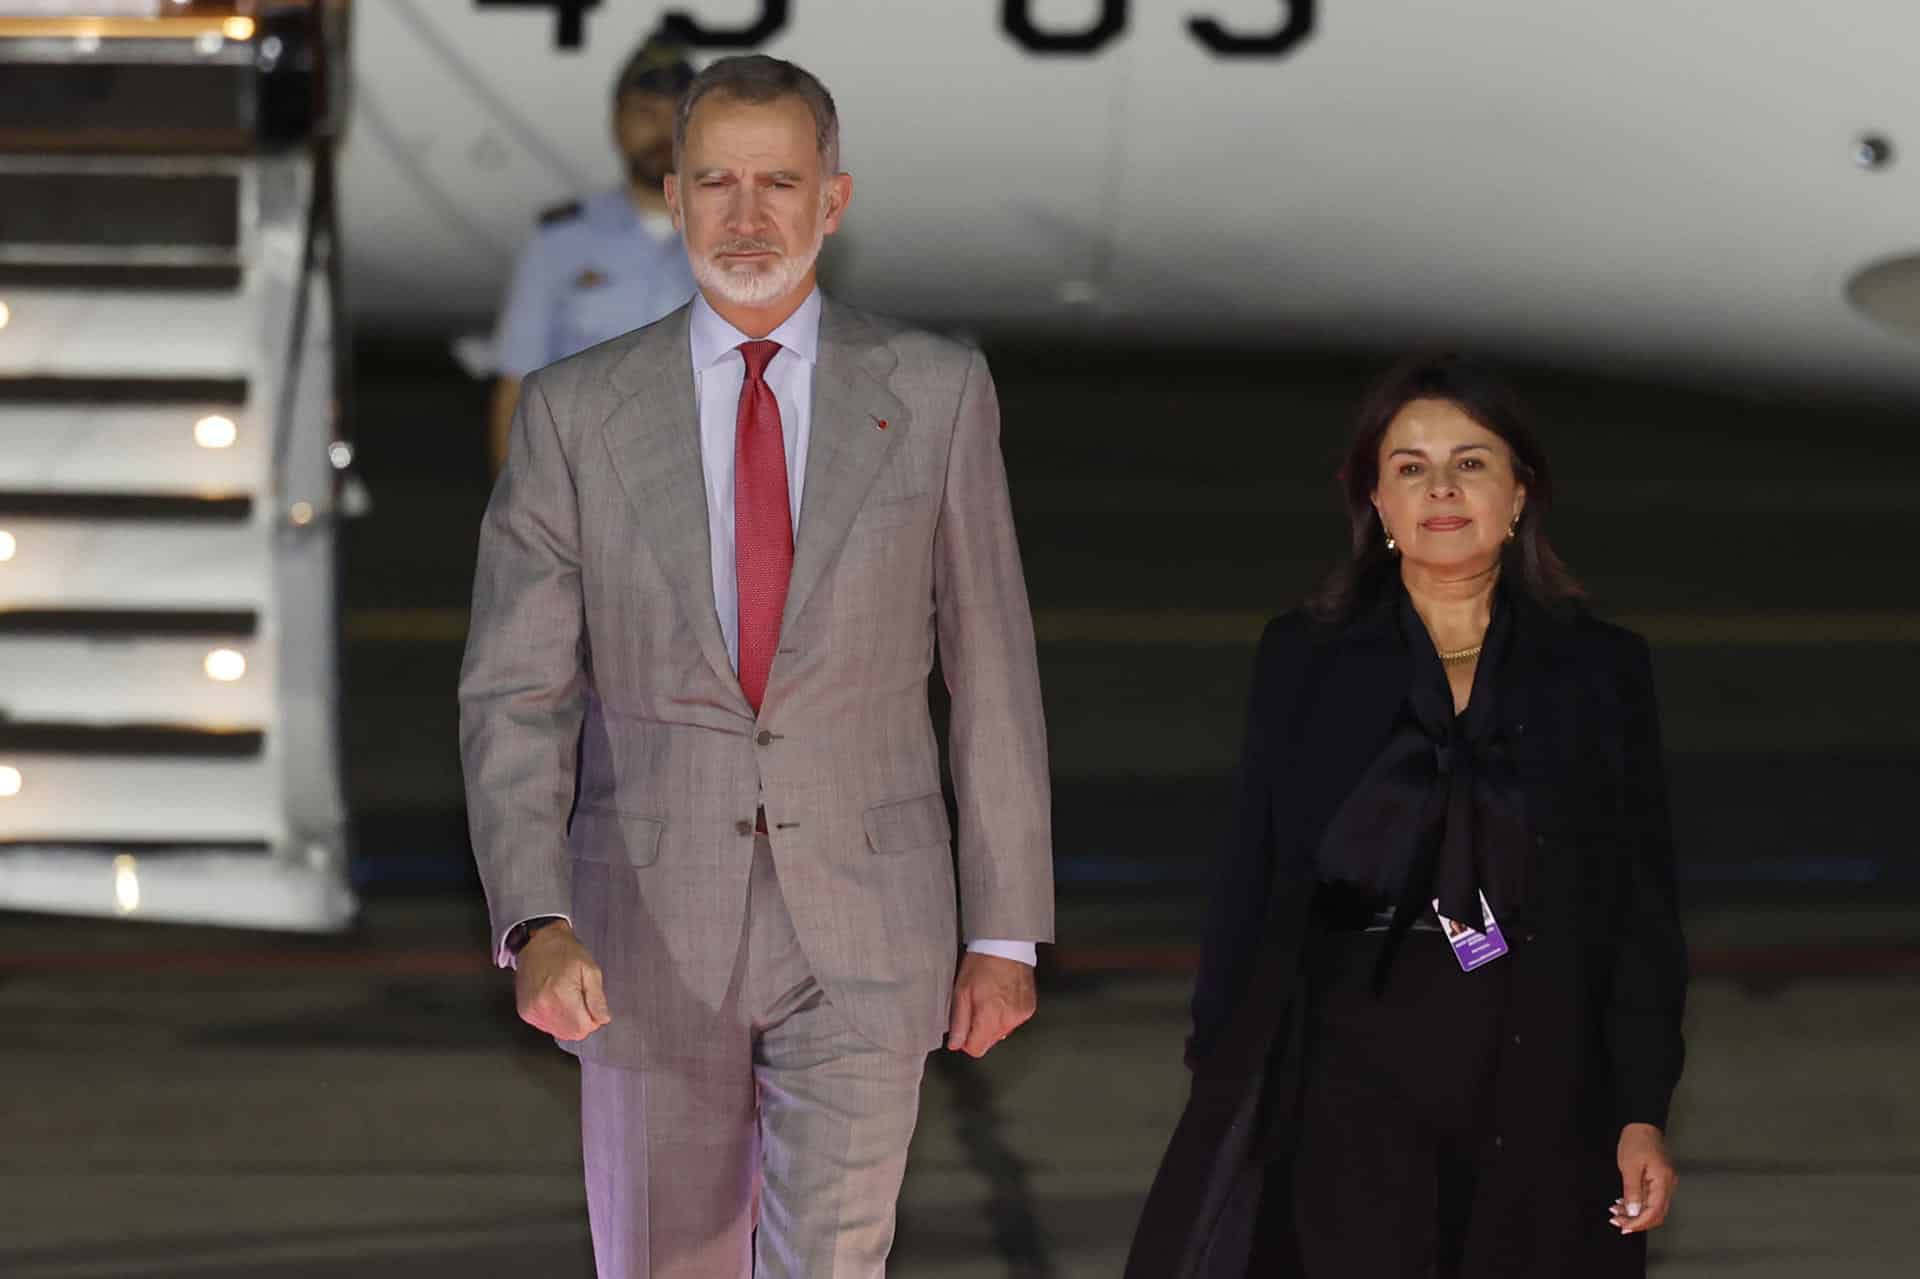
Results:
[1447, 493]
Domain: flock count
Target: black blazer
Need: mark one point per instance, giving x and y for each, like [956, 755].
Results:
[1600, 967]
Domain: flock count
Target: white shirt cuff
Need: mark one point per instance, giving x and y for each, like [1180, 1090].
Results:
[1025, 951]
[504, 958]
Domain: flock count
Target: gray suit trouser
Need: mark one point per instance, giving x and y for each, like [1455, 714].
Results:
[771, 1109]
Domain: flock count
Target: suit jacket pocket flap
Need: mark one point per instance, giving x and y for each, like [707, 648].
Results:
[619, 839]
[904, 824]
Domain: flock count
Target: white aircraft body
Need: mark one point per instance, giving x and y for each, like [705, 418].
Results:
[1714, 190]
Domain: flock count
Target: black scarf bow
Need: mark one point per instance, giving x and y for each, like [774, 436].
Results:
[1440, 813]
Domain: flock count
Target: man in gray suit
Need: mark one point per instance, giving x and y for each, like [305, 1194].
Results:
[701, 771]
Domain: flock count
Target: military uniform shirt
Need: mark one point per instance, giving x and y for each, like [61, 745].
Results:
[593, 271]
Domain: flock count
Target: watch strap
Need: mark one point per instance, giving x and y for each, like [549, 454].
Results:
[522, 932]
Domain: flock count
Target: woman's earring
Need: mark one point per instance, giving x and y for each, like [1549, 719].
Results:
[1391, 544]
[1513, 528]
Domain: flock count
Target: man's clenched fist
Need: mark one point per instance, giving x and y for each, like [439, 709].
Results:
[556, 985]
[992, 997]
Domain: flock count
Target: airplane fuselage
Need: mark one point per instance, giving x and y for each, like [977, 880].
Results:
[1688, 188]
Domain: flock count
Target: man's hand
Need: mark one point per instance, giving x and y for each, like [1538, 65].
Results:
[1647, 1178]
[556, 985]
[991, 997]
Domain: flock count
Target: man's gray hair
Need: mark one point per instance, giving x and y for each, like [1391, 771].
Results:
[757, 78]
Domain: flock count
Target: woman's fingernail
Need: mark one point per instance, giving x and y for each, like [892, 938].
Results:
[1633, 1210]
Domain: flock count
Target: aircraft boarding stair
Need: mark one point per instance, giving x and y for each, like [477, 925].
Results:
[171, 464]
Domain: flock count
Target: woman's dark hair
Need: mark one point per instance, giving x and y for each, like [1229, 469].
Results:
[1528, 560]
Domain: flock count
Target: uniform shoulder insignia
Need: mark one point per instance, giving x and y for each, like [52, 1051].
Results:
[561, 213]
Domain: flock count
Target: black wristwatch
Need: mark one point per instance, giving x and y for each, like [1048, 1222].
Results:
[522, 932]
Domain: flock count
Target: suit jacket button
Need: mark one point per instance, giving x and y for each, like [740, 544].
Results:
[743, 827]
[765, 738]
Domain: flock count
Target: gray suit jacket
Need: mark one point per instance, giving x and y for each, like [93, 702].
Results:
[613, 765]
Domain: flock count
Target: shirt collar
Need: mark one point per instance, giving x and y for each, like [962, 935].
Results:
[713, 339]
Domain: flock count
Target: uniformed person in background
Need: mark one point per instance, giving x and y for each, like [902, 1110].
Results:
[600, 267]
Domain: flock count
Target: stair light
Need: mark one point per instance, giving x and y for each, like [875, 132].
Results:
[10, 781]
[126, 884]
[5, 315]
[7, 546]
[225, 665]
[215, 432]
[237, 28]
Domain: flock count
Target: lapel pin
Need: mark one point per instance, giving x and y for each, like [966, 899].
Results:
[880, 422]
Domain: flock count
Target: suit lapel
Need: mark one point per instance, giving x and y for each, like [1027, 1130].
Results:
[653, 443]
[847, 447]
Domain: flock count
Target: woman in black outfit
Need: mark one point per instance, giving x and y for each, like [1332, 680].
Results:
[1443, 734]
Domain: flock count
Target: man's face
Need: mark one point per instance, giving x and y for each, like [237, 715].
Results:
[643, 130]
[752, 198]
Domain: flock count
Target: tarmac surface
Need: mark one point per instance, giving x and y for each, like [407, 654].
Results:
[192, 1105]
[188, 1103]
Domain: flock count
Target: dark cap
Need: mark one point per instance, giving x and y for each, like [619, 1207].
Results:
[658, 66]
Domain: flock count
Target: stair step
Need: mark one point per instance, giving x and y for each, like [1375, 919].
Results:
[112, 389]
[131, 623]
[112, 673]
[214, 882]
[73, 798]
[117, 208]
[145, 847]
[170, 741]
[189, 277]
[171, 508]
[138, 448]
[199, 106]
[201, 564]
[131, 333]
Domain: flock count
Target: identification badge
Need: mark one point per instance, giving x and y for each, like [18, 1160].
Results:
[1472, 948]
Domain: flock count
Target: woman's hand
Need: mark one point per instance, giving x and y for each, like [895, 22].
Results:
[1647, 1179]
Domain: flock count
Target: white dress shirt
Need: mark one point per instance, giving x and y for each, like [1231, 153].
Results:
[719, 372]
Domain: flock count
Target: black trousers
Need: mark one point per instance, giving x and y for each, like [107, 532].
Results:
[1391, 1131]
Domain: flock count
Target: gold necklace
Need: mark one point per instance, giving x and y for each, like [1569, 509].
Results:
[1462, 654]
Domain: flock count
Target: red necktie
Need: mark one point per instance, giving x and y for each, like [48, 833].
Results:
[762, 521]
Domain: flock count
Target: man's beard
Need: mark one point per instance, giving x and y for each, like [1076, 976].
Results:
[755, 285]
[649, 168]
